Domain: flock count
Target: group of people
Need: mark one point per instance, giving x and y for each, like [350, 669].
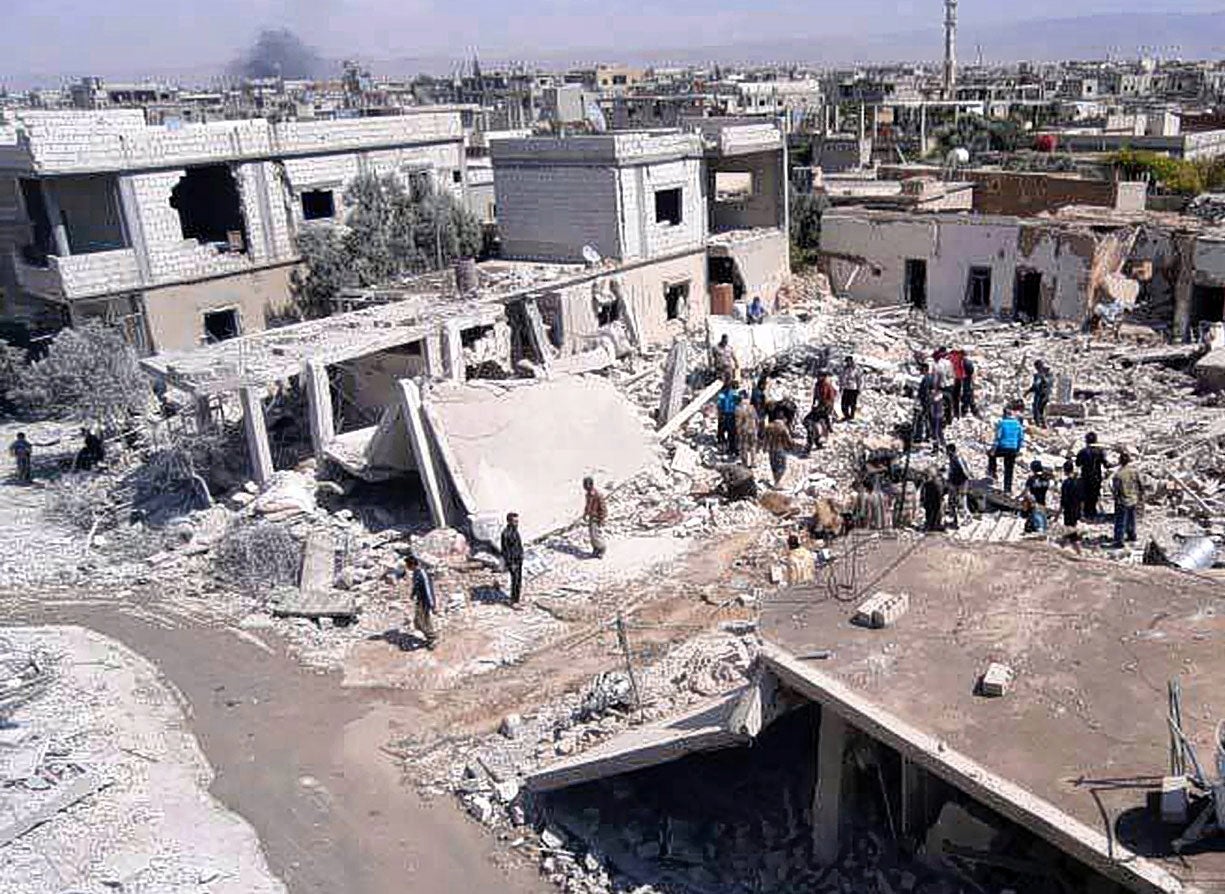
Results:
[421, 586]
[1080, 493]
[945, 392]
[764, 418]
[91, 454]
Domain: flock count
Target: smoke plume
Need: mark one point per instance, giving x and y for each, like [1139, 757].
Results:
[278, 52]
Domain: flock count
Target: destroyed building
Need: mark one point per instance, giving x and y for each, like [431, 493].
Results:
[183, 235]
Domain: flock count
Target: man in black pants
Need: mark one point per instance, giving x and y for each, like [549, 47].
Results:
[1092, 464]
[512, 556]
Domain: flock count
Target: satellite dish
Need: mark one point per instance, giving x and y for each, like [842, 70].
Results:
[958, 156]
[595, 117]
[590, 255]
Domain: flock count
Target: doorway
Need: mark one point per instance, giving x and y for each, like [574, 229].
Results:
[916, 283]
[978, 290]
[1207, 305]
[1027, 297]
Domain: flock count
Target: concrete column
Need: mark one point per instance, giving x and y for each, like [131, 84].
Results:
[58, 231]
[319, 405]
[536, 333]
[1184, 247]
[453, 351]
[410, 407]
[433, 356]
[258, 449]
[827, 799]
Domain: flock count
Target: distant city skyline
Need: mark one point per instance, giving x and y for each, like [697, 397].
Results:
[51, 40]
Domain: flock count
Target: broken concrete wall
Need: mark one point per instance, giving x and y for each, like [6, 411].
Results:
[762, 260]
[759, 206]
[570, 312]
[644, 234]
[527, 448]
[175, 314]
[370, 383]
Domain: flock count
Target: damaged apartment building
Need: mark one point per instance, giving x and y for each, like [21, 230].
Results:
[184, 235]
[614, 244]
[1066, 263]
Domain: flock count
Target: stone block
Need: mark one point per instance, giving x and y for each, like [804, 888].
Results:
[1174, 800]
[996, 681]
[882, 610]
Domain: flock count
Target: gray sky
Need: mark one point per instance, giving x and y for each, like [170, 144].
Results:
[41, 39]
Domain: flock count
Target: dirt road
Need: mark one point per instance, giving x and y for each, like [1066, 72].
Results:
[301, 760]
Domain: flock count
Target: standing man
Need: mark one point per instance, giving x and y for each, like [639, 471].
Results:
[23, 451]
[728, 400]
[424, 604]
[1040, 388]
[931, 495]
[725, 360]
[1038, 483]
[968, 369]
[946, 376]
[1128, 492]
[746, 431]
[850, 380]
[1009, 439]
[777, 442]
[958, 359]
[1071, 502]
[1091, 461]
[512, 556]
[595, 513]
[959, 485]
[927, 385]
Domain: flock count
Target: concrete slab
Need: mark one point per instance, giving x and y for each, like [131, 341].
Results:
[527, 450]
[1081, 741]
[703, 728]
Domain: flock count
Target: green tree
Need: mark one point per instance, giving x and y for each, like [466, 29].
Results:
[390, 231]
[806, 211]
[90, 373]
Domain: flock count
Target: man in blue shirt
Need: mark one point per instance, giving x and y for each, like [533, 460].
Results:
[424, 604]
[727, 401]
[1009, 439]
[757, 311]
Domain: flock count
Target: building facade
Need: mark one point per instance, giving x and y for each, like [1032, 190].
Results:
[186, 234]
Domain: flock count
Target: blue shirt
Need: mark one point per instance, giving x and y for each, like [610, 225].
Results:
[1009, 434]
[728, 401]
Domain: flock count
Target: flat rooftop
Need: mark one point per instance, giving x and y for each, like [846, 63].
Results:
[1092, 645]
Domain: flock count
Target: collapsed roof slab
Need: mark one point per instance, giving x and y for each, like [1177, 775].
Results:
[1082, 735]
[526, 448]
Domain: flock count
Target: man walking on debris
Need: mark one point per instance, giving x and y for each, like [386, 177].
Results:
[968, 369]
[1092, 464]
[1128, 492]
[23, 452]
[727, 402]
[725, 361]
[819, 422]
[512, 556]
[595, 513]
[424, 604]
[777, 442]
[958, 359]
[92, 454]
[1038, 483]
[1071, 497]
[850, 381]
[746, 424]
[959, 485]
[801, 564]
[1040, 388]
[931, 495]
[1009, 439]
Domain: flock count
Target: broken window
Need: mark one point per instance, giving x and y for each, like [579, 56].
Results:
[89, 211]
[457, 176]
[916, 282]
[220, 325]
[318, 204]
[210, 208]
[733, 186]
[978, 289]
[608, 313]
[41, 243]
[668, 206]
[1027, 300]
[676, 301]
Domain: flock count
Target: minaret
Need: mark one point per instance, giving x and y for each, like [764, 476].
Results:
[950, 49]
